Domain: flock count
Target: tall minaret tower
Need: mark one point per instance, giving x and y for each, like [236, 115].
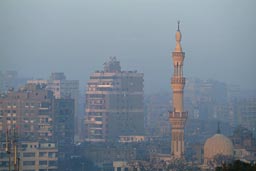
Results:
[178, 116]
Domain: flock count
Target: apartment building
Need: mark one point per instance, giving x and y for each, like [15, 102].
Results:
[114, 103]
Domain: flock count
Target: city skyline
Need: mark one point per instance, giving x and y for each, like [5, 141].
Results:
[150, 113]
[219, 41]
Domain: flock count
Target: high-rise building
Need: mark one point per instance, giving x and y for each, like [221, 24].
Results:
[30, 111]
[178, 116]
[63, 89]
[245, 112]
[156, 118]
[114, 103]
[64, 126]
[34, 115]
[10, 80]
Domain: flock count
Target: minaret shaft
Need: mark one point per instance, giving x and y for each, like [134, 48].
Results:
[178, 116]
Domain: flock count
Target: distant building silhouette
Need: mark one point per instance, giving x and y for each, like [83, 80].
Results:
[10, 80]
[64, 129]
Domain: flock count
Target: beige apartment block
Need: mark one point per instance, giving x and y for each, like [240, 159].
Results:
[31, 156]
[63, 88]
[114, 103]
[29, 111]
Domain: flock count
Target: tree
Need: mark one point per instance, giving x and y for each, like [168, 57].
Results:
[237, 165]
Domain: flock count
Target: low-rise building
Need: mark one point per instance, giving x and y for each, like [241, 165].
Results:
[36, 156]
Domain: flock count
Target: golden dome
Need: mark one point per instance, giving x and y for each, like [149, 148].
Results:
[217, 144]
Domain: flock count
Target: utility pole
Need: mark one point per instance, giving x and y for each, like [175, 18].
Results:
[11, 148]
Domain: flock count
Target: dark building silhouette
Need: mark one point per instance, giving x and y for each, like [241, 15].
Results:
[64, 126]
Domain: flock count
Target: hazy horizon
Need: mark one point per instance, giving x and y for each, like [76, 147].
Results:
[77, 37]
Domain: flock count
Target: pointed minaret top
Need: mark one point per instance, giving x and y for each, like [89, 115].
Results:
[178, 25]
[178, 39]
[218, 131]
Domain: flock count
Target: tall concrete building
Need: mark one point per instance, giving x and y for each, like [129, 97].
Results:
[36, 115]
[30, 109]
[64, 126]
[63, 89]
[245, 112]
[114, 103]
[178, 116]
[10, 80]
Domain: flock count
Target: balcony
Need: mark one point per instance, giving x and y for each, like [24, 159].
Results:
[177, 115]
[178, 54]
[179, 80]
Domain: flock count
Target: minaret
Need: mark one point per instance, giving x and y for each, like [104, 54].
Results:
[178, 116]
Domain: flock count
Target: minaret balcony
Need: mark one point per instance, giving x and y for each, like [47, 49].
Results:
[178, 54]
[176, 115]
[178, 80]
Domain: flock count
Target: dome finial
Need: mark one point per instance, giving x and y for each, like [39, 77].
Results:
[218, 131]
[178, 25]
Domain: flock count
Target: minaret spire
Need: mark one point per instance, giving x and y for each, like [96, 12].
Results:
[218, 130]
[178, 25]
[178, 117]
[178, 47]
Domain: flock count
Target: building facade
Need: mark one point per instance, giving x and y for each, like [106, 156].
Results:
[33, 114]
[64, 126]
[114, 103]
[63, 89]
[28, 110]
[34, 156]
[178, 116]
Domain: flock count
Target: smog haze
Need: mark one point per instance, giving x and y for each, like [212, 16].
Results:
[77, 37]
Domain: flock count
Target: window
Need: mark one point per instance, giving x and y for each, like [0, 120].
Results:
[52, 163]
[4, 163]
[24, 146]
[51, 155]
[28, 154]
[3, 154]
[42, 154]
[98, 119]
[29, 163]
[43, 162]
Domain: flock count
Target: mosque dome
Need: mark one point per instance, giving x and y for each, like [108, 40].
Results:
[217, 144]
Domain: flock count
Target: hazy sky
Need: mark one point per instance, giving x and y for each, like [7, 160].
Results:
[38, 37]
